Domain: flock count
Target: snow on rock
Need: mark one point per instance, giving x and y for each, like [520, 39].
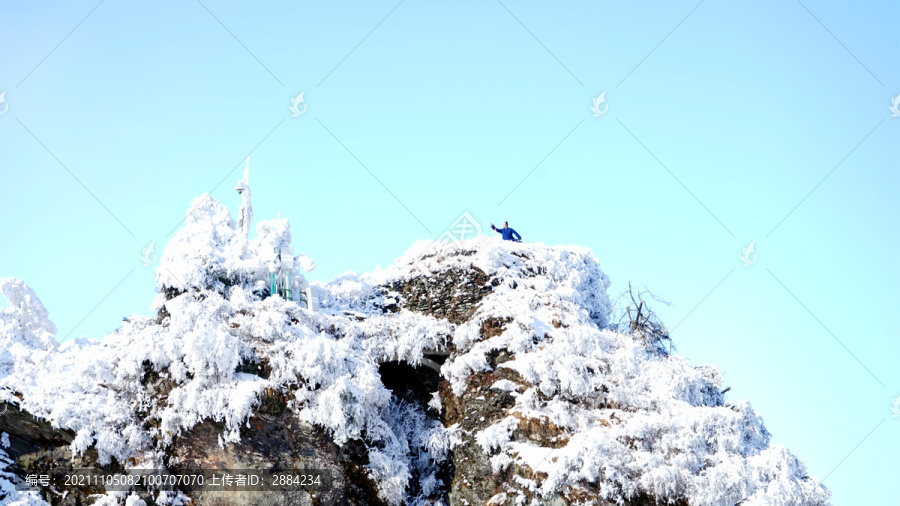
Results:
[496, 435]
[538, 389]
[9, 496]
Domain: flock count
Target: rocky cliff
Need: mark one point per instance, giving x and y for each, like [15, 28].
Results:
[483, 372]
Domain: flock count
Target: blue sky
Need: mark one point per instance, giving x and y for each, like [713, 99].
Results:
[727, 123]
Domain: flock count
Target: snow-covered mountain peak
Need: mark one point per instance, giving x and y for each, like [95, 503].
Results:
[481, 372]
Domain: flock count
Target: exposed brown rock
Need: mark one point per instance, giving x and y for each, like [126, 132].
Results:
[453, 295]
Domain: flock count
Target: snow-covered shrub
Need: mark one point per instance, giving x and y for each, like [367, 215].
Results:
[26, 332]
[210, 253]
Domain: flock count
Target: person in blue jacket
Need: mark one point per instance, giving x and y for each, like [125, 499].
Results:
[507, 233]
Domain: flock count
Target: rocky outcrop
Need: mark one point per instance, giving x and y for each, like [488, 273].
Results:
[274, 438]
[453, 294]
[471, 348]
[38, 448]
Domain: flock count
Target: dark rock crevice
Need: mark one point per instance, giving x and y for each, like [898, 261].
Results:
[410, 383]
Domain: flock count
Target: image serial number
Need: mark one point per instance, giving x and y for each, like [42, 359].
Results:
[81, 480]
